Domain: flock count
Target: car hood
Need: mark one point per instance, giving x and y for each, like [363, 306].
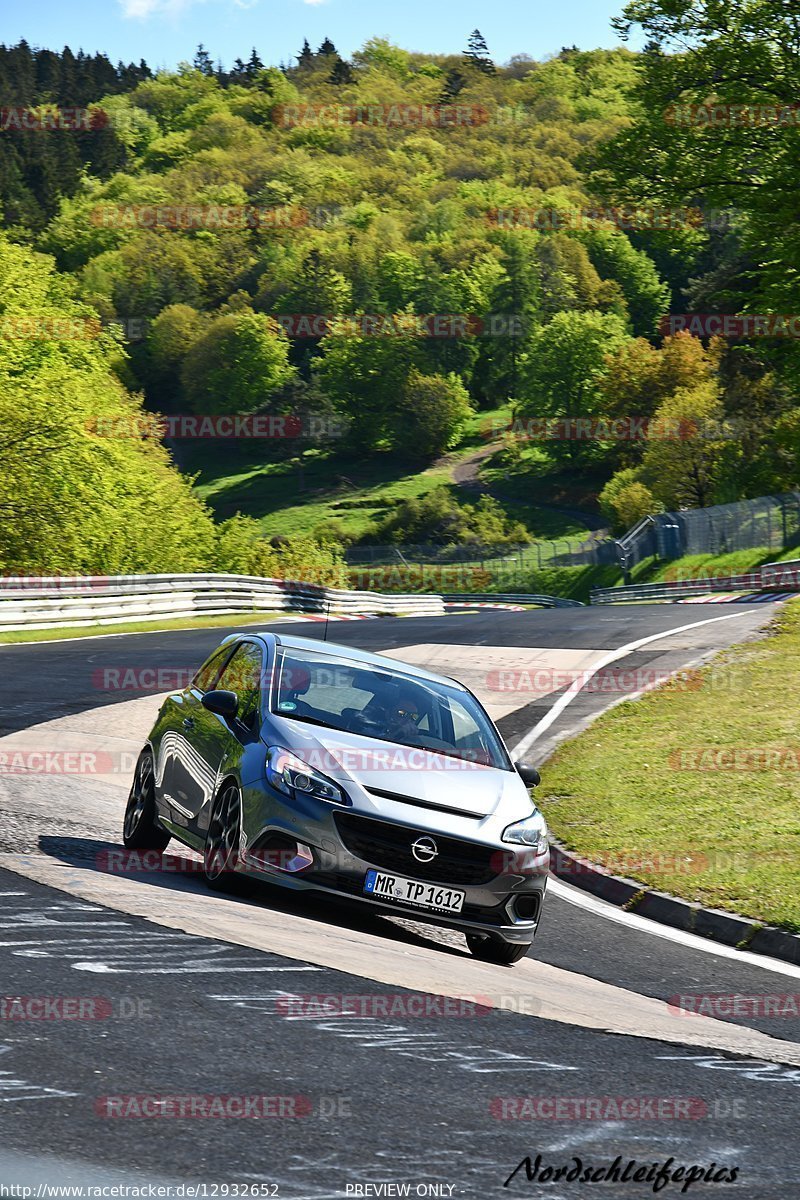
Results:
[403, 771]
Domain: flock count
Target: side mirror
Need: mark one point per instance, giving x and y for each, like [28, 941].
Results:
[224, 704]
[528, 774]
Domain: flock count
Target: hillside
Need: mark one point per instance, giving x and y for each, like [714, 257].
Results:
[397, 258]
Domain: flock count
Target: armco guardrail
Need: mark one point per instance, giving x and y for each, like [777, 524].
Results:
[38, 603]
[678, 590]
[507, 598]
[780, 576]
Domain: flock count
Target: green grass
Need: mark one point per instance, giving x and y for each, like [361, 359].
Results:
[291, 497]
[79, 631]
[536, 473]
[291, 500]
[626, 793]
[737, 562]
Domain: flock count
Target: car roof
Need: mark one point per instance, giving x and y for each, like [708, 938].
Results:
[352, 653]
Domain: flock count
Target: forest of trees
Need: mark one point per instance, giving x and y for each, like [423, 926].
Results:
[212, 207]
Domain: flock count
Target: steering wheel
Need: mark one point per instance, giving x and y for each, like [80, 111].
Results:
[359, 723]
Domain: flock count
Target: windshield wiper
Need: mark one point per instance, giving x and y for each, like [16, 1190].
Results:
[306, 720]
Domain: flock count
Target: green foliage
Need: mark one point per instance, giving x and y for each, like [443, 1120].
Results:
[683, 463]
[242, 550]
[304, 559]
[438, 518]
[638, 377]
[364, 377]
[172, 334]
[713, 128]
[372, 218]
[84, 487]
[565, 362]
[236, 366]
[646, 296]
[431, 413]
[625, 500]
[36, 171]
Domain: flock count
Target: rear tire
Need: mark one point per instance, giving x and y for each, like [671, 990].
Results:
[221, 853]
[496, 950]
[140, 830]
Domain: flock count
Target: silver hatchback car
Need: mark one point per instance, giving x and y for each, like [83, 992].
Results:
[314, 765]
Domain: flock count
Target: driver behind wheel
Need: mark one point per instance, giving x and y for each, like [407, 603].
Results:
[404, 716]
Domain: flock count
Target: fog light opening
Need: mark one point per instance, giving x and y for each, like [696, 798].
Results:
[526, 908]
[280, 852]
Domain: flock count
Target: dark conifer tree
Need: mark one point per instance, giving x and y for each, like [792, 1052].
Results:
[453, 84]
[341, 73]
[477, 53]
[202, 61]
[254, 64]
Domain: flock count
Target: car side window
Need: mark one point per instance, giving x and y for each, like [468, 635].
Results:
[243, 675]
[206, 677]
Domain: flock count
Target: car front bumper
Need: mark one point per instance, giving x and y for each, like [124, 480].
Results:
[505, 902]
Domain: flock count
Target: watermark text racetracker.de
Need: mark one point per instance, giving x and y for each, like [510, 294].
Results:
[731, 116]
[589, 428]
[58, 328]
[48, 118]
[225, 1106]
[736, 758]
[542, 681]
[732, 325]
[379, 1005]
[723, 1006]
[631, 428]
[445, 325]
[44, 760]
[222, 426]
[186, 217]
[614, 1108]
[74, 1008]
[627, 217]
[379, 115]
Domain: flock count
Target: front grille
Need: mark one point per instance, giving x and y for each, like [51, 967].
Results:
[389, 846]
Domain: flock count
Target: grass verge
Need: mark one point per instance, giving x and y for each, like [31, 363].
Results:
[677, 790]
[703, 566]
[232, 620]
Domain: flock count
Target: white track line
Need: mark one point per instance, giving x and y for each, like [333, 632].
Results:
[580, 683]
[691, 941]
[602, 908]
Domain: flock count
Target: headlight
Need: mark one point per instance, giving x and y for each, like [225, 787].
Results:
[289, 774]
[530, 832]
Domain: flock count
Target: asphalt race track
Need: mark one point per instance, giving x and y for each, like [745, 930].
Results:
[187, 995]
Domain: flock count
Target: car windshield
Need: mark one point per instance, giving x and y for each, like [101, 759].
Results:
[382, 703]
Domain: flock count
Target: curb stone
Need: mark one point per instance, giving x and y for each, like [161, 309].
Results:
[713, 923]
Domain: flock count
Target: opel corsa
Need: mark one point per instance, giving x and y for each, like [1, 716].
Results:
[314, 765]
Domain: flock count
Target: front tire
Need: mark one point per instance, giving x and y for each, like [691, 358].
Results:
[221, 853]
[496, 950]
[140, 830]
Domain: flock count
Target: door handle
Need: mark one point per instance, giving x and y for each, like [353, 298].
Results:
[188, 723]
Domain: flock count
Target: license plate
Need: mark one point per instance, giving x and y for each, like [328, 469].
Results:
[411, 891]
